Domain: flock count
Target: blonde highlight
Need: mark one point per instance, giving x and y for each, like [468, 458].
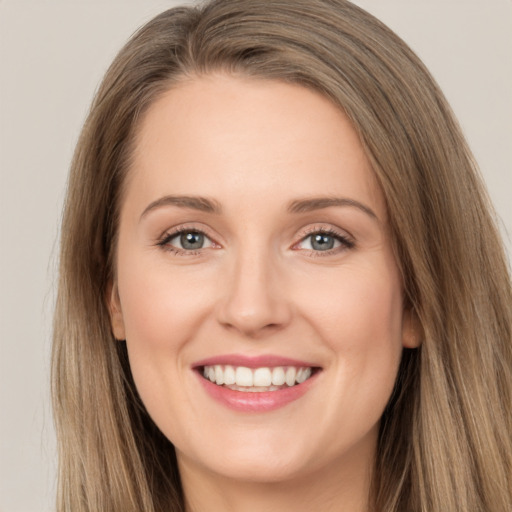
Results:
[445, 441]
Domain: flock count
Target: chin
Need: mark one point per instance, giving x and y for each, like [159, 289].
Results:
[259, 458]
[259, 469]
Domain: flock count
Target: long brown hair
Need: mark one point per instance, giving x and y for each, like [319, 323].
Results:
[445, 439]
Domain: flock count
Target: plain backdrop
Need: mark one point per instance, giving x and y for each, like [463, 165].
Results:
[52, 56]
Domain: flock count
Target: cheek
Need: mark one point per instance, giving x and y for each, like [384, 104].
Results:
[359, 316]
[357, 308]
[162, 311]
[160, 306]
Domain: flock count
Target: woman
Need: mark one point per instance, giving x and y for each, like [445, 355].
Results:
[281, 282]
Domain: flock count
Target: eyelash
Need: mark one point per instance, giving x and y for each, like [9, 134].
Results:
[167, 237]
[345, 241]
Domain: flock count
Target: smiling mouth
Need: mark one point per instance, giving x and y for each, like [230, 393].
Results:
[242, 378]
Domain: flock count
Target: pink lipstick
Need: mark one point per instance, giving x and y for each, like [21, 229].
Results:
[255, 384]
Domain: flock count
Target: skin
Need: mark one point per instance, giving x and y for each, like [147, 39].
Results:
[258, 286]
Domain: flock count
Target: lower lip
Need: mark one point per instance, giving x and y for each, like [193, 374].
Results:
[247, 401]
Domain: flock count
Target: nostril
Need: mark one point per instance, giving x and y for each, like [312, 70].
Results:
[255, 321]
[253, 302]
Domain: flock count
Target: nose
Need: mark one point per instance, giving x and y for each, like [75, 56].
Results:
[254, 302]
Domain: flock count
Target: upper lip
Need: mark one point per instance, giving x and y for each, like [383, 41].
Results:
[264, 360]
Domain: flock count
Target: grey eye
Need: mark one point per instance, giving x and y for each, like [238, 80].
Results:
[191, 240]
[186, 241]
[322, 242]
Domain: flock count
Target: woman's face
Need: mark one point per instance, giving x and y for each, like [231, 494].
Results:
[254, 249]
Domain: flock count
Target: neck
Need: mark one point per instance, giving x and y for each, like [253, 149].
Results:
[335, 489]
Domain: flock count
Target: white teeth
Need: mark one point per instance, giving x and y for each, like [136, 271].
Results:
[257, 379]
[290, 376]
[278, 376]
[303, 374]
[219, 375]
[229, 375]
[254, 389]
[262, 377]
[244, 376]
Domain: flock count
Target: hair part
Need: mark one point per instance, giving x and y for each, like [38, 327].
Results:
[445, 439]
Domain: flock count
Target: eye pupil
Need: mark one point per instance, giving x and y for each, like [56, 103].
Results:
[322, 242]
[192, 240]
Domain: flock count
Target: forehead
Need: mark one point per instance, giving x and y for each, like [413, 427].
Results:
[245, 136]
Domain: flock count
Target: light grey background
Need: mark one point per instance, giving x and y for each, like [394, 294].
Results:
[52, 56]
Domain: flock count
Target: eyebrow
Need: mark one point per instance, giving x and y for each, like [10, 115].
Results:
[319, 203]
[207, 205]
[202, 204]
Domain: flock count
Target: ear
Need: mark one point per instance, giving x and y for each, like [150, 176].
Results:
[114, 309]
[411, 329]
